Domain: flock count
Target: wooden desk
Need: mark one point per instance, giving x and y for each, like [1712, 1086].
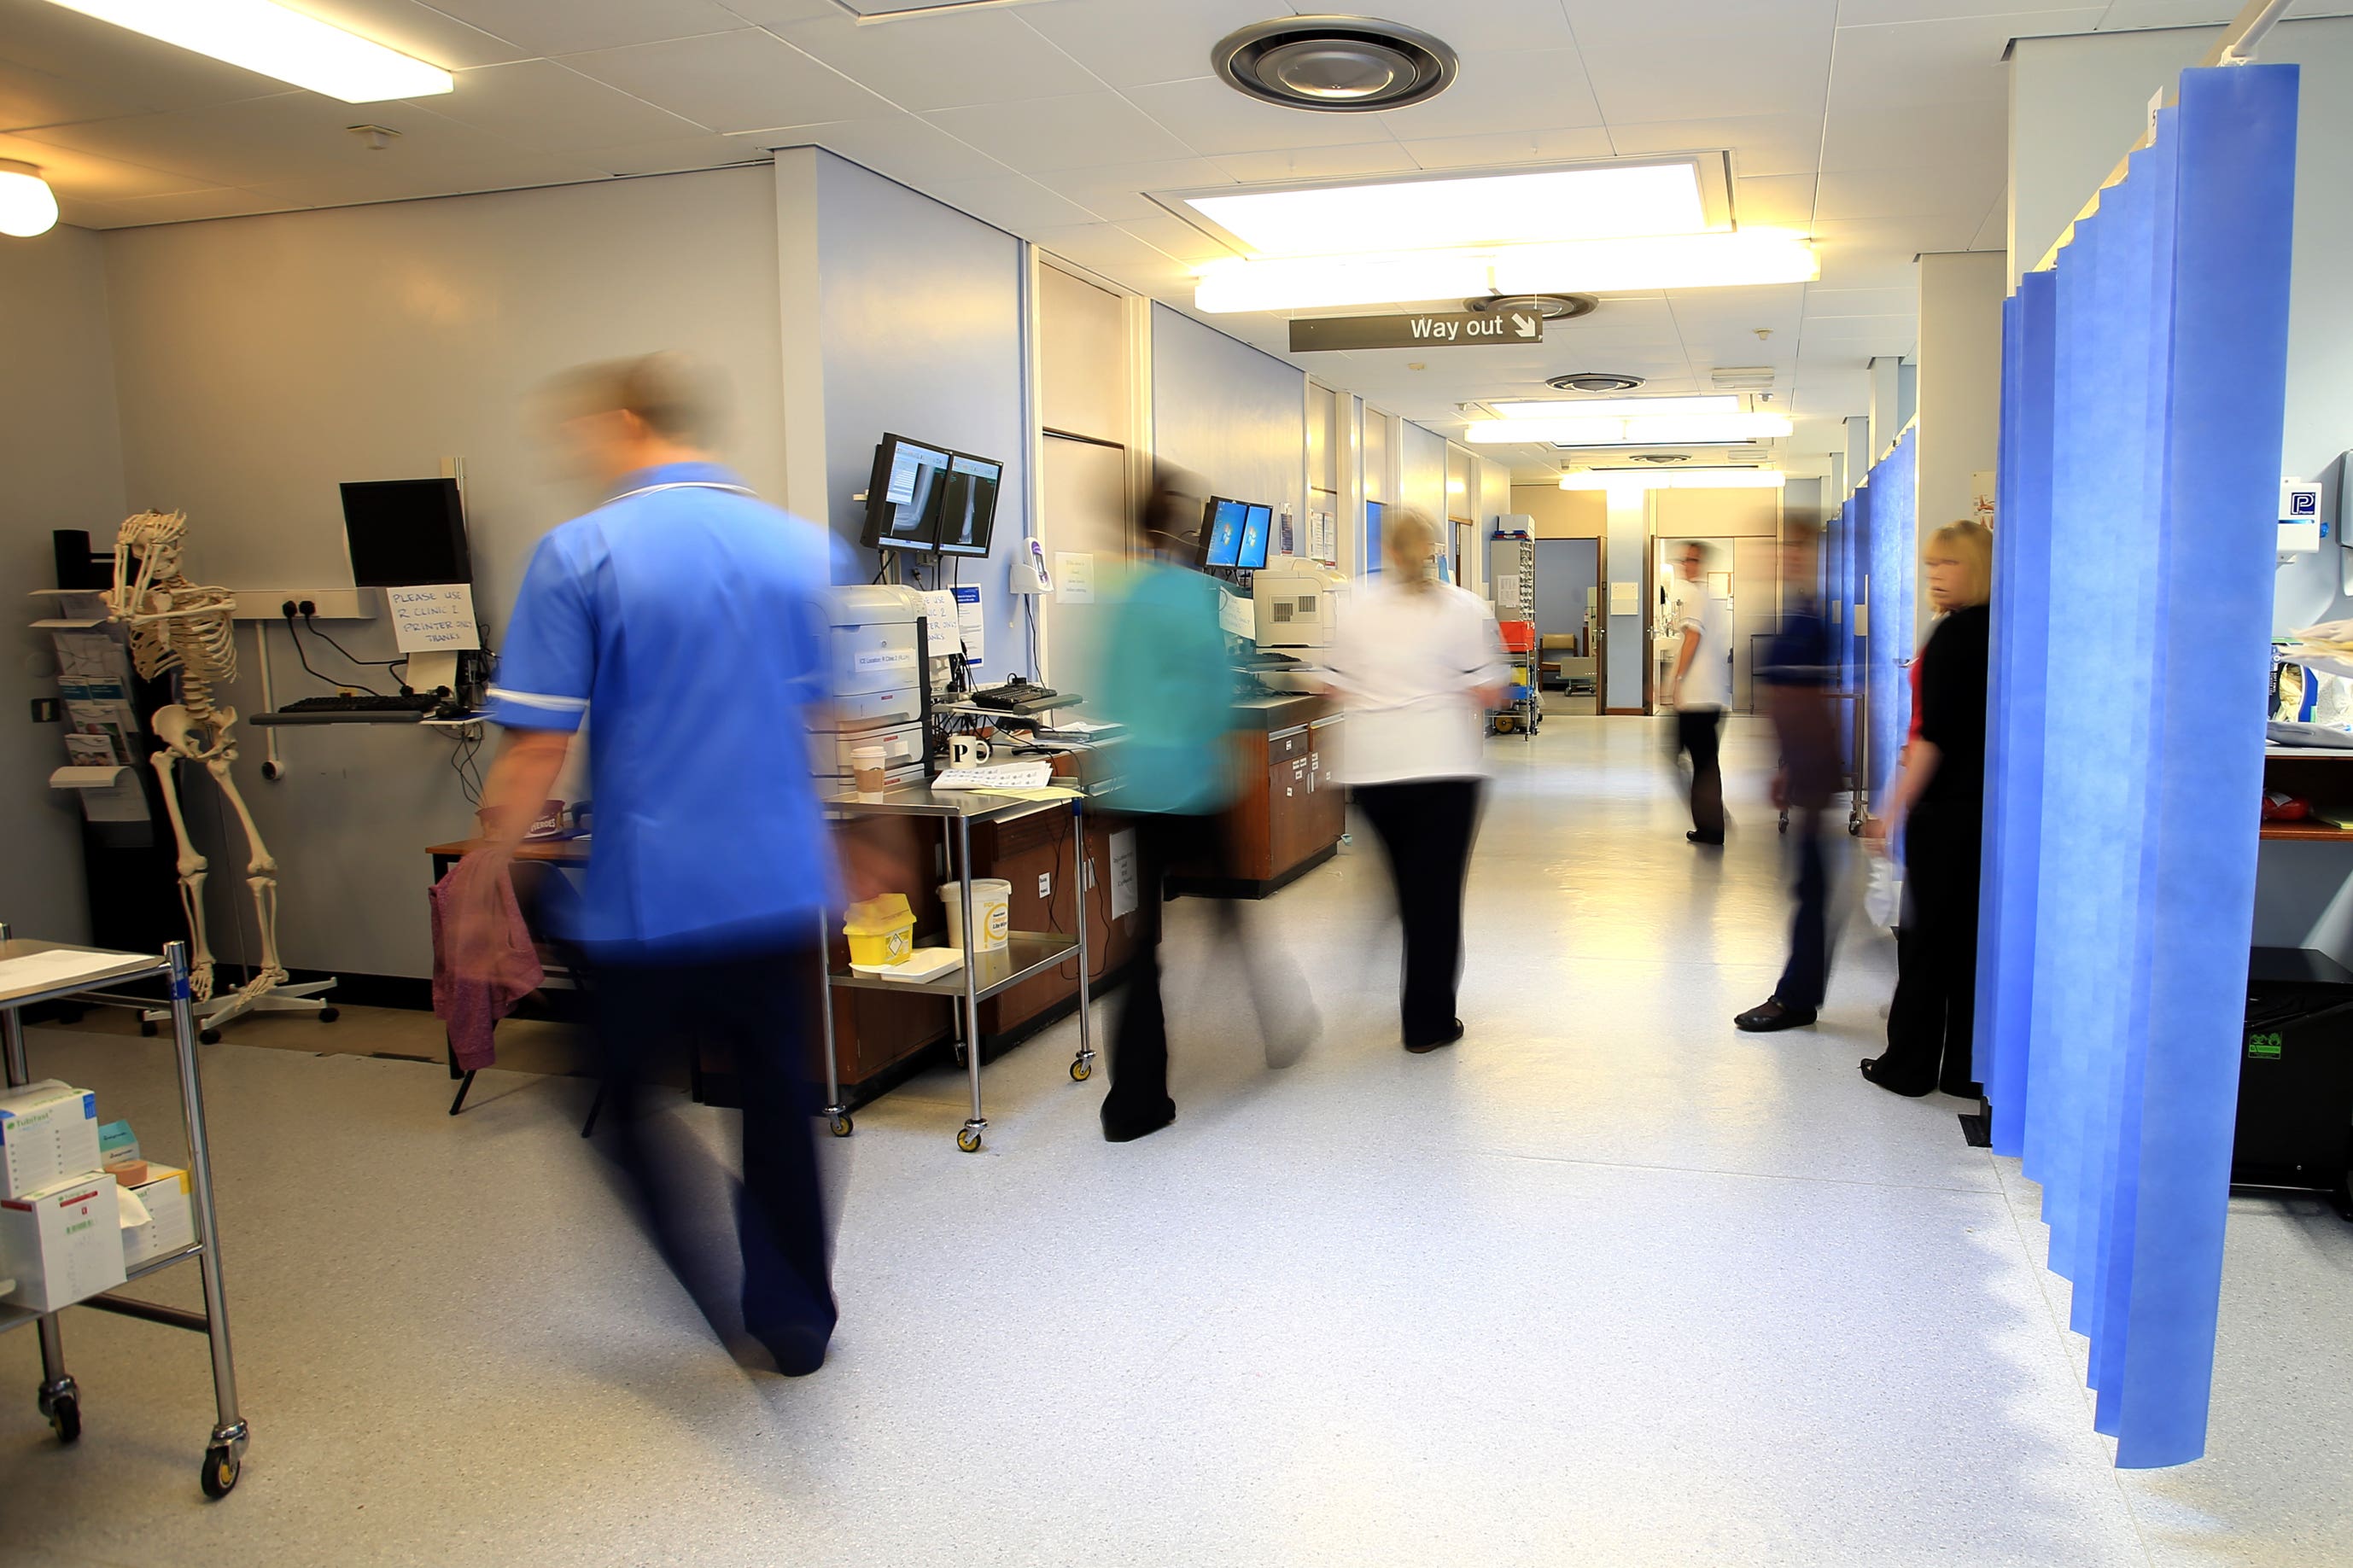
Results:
[544, 851]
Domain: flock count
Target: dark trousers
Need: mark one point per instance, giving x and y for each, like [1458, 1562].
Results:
[1806, 977]
[1931, 1024]
[1139, 1051]
[750, 1014]
[1697, 730]
[1427, 826]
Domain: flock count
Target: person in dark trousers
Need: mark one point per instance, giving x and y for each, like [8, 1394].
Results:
[1166, 679]
[1938, 802]
[688, 617]
[1417, 663]
[1701, 688]
[1794, 681]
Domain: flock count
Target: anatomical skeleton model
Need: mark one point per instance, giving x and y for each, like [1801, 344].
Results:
[179, 625]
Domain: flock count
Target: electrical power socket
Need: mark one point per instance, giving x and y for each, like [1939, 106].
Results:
[286, 609]
[308, 608]
[1045, 884]
[48, 711]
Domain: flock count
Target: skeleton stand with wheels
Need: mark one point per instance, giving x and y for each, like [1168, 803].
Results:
[188, 627]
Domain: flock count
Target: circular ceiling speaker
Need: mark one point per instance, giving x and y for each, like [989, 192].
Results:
[1334, 65]
[1593, 381]
[1551, 307]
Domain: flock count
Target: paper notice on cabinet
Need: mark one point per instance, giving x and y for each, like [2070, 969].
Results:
[1122, 873]
[969, 625]
[1237, 615]
[436, 617]
[1625, 598]
[940, 630]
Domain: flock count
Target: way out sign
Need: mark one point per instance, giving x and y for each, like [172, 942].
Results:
[1435, 329]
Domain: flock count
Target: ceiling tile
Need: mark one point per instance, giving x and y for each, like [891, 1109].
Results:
[1937, 191]
[1511, 90]
[672, 155]
[743, 80]
[191, 207]
[1015, 202]
[540, 103]
[944, 62]
[902, 146]
[1107, 248]
[1955, 61]
[1734, 74]
[1072, 133]
[574, 25]
[1511, 147]
[90, 177]
[29, 97]
[1868, 13]
[1481, 24]
[79, 212]
[298, 135]
[1318, 162]
[402, 184]
[1117, 193]
[1993, 233]
[1760, 144]
[1132, 43]
[422, 32]
[1213, 119]
[1777, 201]
[132, 65]
[1175, 237]
[774, 13]
[1859, 138]
[1821, 301]
[2127, 15]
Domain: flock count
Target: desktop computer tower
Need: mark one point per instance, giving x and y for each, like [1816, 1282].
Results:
[2295, 1075]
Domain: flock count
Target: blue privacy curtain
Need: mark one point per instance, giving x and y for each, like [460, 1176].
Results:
[2144, 383]
[1893, 496]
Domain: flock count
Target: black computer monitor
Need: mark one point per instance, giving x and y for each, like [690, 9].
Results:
[1258, 524]
[1222, 536]
[403, 532]
[968, 505]
[903, 494]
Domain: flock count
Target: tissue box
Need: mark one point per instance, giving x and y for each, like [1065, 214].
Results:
[171, 1222]
[49, 1132]
[62, 1245]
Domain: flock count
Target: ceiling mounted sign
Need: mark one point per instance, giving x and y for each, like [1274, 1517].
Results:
[1431, 329]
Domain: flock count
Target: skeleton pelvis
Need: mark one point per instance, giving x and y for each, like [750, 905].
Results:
[190, 736]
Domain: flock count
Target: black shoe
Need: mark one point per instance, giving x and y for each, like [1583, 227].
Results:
[1696, 836]
[1963, 1091]
[1871, 1071]
[1424, 1047]
[792, 1350]
[1121, 1128]
[1769, 1016]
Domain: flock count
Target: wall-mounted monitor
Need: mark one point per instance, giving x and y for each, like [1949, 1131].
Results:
[1373, 514]
[1258, 526]
[968, 505]
[404, 533]
[903, 495]
[1222, 535]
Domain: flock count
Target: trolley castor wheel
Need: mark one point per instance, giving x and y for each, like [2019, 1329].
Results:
[221, 1470]
[840, 1124]
[1081, 1070]
[209, 1037]
[329, 1014]
[968, 1140]
[64, 1411]
[1854, 830]
[146, 1029]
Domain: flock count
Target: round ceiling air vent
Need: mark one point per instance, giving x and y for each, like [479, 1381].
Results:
[1551, 307]
[1661, 456]
[1593, 381]
[1334, 65]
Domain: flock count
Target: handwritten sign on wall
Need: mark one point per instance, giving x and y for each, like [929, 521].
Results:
[434, 618]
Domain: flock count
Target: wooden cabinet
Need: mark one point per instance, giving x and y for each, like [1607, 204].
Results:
[1020, 852]
[1289, 806]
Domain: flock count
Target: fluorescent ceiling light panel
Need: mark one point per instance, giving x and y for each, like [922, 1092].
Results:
[1752, 256]
[277, 42]
[1693, 480]
[1594, 203]
[1688, 430]
[1612, 407]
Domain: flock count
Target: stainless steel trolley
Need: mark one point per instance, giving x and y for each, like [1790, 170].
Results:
[981, 976]
[1856, 783]
[59, 1399]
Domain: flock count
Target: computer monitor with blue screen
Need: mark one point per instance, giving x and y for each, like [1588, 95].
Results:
[902, 495]
[968, 505]
[1223, 535]
[1257, 522]
[1372, 538]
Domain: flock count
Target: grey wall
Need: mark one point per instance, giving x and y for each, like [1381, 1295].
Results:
[920, 333]
[1421, 473]
[62, 459]
[1233, 416]
[262, 360]
[1565, 568]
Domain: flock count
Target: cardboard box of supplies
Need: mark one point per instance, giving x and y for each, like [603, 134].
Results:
[62, 1245]
[49, 1131]
[170, 1222]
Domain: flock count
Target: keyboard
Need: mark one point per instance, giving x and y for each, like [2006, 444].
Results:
[361, 703]
[1011, 776]
[1019, 697]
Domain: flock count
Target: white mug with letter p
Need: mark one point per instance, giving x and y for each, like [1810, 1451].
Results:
[969, 751]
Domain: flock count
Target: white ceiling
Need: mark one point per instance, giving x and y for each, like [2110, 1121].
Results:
[1877, 125]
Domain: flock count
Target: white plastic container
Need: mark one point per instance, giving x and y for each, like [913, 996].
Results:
[992, 908]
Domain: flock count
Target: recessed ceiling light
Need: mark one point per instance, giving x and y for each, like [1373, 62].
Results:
[1419, 213]
[276, 42]
[1688, 430]
[1693, 480]
[1611, 407]
[1594, 380]
[1334, 65]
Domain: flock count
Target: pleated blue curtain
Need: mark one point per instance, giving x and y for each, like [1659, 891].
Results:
[2143, 392]
[1894, 488]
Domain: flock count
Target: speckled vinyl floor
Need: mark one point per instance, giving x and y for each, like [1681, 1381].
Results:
[1608, 1284]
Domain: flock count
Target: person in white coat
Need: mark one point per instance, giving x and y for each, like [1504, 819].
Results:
[1416, 664]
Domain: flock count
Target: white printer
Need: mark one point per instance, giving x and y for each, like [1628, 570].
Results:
[1299, 602]
[880, 680]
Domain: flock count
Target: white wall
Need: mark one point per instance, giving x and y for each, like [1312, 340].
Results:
[2077, 103]
[62, 460]
[1233, 416]
[261, 361]
[1960, 387]
[1422, 472]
